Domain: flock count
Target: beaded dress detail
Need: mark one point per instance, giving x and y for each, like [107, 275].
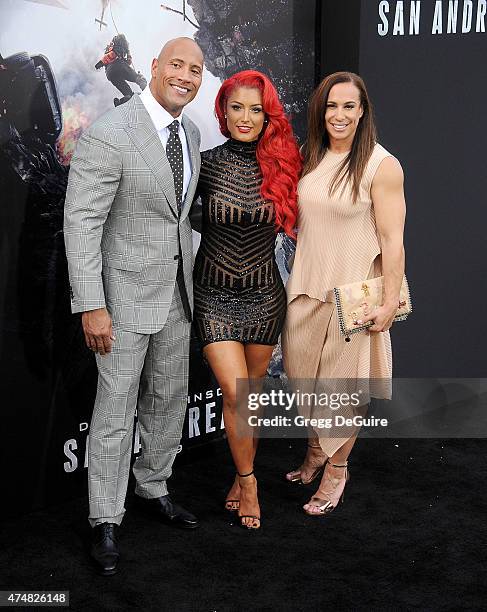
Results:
[238, 290]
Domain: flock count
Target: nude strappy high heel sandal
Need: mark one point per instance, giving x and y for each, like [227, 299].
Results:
[333, 494]
[295, 475]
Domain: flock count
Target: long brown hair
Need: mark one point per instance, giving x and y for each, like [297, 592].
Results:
[353, 166]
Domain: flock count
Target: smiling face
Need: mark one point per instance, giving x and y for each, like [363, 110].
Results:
[342, 115]
[176, 74]
[245, 114]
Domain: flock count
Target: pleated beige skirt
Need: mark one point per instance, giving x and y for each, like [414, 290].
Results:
[315, 351]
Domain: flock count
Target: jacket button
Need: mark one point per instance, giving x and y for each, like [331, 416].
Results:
[176, 256]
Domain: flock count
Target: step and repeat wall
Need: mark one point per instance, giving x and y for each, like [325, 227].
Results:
[423, 63]
[50, 92]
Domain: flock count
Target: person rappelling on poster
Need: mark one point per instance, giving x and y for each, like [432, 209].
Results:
[119, 69]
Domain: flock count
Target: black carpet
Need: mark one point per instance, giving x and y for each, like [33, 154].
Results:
[410, 536]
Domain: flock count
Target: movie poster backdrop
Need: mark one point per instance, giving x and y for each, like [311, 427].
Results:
[50, 91]
[423, 62]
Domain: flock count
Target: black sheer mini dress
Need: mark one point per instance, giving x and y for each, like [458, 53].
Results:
[238, 291]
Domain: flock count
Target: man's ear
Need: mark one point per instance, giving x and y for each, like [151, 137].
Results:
[153, 68]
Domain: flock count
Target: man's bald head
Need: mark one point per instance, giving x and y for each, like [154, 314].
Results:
[175, 43]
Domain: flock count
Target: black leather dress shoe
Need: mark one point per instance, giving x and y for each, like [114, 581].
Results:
[104, 549]
[168, 512]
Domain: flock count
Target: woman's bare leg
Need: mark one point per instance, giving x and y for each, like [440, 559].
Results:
[231, 361]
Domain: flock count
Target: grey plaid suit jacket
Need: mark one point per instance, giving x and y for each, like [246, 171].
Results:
[122, 230]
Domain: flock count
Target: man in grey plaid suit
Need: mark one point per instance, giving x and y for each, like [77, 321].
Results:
[129, 249]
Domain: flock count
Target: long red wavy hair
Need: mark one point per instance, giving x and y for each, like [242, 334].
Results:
[277, 152]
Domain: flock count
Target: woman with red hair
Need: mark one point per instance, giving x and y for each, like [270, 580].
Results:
[248, 191]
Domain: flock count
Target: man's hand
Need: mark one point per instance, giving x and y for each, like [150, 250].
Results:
[97, 327]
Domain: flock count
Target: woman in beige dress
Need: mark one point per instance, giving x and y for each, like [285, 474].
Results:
[350, 228]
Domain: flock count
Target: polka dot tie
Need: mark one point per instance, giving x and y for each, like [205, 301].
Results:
[174, 152]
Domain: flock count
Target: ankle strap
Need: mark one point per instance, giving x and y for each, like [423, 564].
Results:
[334, 465]
[313, 446]
[245, 475]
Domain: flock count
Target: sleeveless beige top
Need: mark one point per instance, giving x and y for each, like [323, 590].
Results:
[337, 239]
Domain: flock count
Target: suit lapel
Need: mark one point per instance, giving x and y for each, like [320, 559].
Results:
[143, 134]
[195, 165]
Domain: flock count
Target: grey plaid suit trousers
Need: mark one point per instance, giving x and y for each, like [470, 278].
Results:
[159, 363]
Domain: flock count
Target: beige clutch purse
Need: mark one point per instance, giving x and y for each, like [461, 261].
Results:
[355, 300]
